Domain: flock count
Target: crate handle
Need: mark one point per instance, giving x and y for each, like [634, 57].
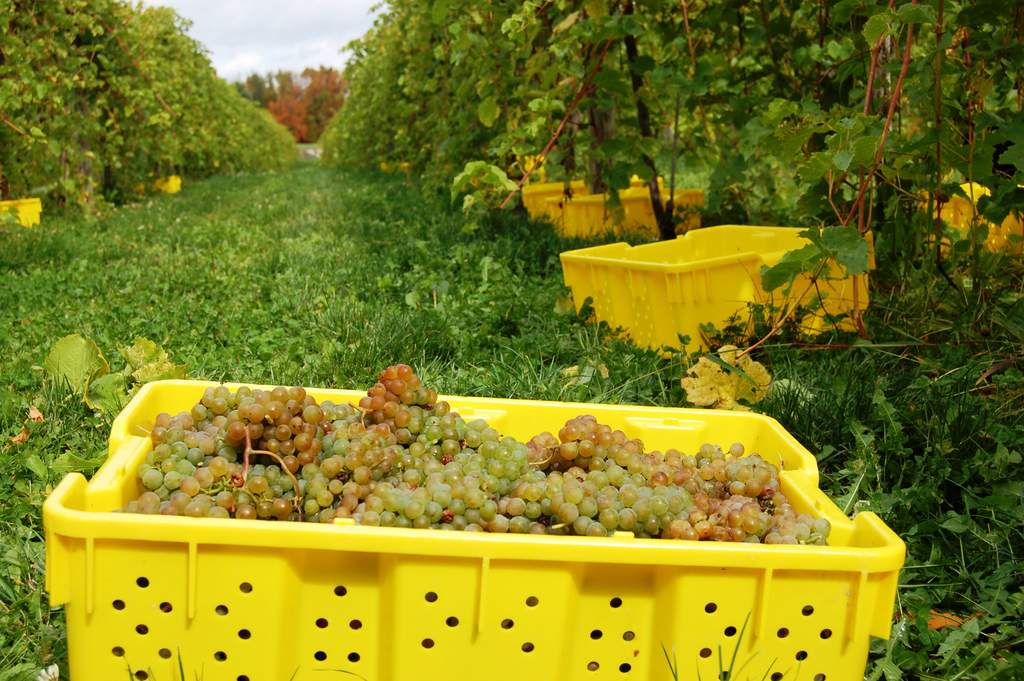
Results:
[69, 494]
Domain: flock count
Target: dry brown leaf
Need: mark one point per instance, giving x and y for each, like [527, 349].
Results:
[944, 620]
[35, 414]
[21, 437]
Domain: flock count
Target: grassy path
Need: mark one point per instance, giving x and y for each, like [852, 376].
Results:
[310, 277]
[300, 277]
[322, 277]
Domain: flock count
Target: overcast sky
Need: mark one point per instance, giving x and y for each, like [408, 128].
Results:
[243, 36]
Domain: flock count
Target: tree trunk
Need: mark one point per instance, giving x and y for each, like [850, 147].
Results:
[602, 129]
[662, 213]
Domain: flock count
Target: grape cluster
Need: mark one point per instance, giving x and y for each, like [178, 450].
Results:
[401, 458]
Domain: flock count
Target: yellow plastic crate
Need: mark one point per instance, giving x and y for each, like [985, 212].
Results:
[590, 215]
[536, 195]
[659, 291]
[269, 601]
[168, 185]
[27, 210]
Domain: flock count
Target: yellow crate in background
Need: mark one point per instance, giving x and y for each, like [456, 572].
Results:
[638, 209]
[266, 601]
[168, 185]
[591, 215]
[27, 211]
[659, 291]
[535, 195]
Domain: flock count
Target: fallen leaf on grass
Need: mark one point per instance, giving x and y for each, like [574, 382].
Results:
[946, 620]
[76, 361]
[564, 305]
[21, 437]
[35, 414]
[583, 376]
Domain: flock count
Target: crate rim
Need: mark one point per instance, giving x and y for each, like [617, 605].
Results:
[27, 201]
[885, 551]
[63, 520]
[609, 254]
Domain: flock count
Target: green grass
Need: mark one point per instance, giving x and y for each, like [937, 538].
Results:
[322, 277]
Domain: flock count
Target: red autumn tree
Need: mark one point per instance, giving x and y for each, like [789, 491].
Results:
[289, 105]
[323, 94]
[302, 103]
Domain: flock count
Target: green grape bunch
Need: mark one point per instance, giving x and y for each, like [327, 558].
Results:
[401, 458]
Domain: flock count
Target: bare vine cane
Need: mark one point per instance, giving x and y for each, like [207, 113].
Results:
[586, 85]
[239, 480]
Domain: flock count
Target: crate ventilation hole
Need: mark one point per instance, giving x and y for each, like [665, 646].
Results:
[781, 632]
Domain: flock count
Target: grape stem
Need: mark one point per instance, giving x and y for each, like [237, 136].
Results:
[249, 451]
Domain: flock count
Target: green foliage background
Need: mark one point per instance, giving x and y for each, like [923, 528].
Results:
[97, 96]
[763, 103]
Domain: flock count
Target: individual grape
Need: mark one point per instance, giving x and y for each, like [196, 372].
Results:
[190, 486]
[195, 509]
[152, 479]
[516, 507]
[179, 500]
[246, 512]
[567, 513]
[609, 519]
[184, 467]
[257, 484]
[204, 477]
[172, 480]
[149, 502]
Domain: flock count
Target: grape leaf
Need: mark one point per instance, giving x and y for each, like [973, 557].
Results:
[159, 371]
[488, 111]
[567, 23]
[847, 247]
[790, 266]
[142, 352]
[439, 11]
[37, 467]
[107, 394]
[876, 26]
[149, 362]
[916, 14]
[75, 361]
[842, 159]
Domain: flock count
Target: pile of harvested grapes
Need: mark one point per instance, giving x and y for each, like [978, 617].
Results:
[400, 458]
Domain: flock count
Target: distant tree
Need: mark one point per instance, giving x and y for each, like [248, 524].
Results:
[289, 105]
[324, 93]
[257, 88]
[304, 103]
